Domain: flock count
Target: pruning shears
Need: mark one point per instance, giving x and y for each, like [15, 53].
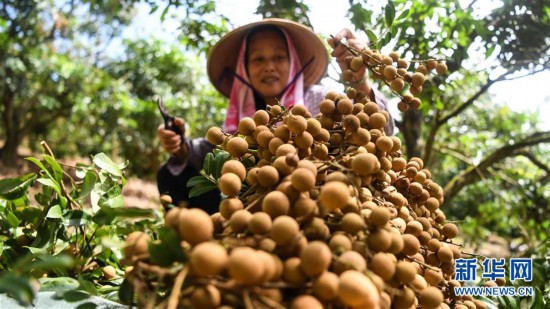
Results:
[169, 119]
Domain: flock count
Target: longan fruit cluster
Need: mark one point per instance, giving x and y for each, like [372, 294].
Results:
[394, 71]
[333, 215]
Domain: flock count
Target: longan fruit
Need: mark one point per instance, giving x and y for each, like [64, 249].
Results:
[299, 110]
[351, 123]
[109, 272]
[445, 254]
[239, 220]
[230, 184]
[171, 217]
[313, 126]
[441, 68]
[397, 242]
[244, 267]
[356, 64]
[389, 72]
[340, 242]
[365, 164]
[449, 230]
[282, 132]
[379, 240]
[246, 126]
[382, 265]
[379, 216]
[261, 117]
[303, 140]
[377, 120]
[306, 302]
[260, 223]
[302, 179]
[275, 204]
[325, 287]
[334, 195]
[297, 124]
[315, 258]
[207, 297]
[137, 243]
[327, 107]
[347, 75]
[303, 206]
[264, 138]
[215, 136]
[349, 260]
[284, 230]
[208, 259]
[292, 271]
[268, 176]
[237, 146]
[320, 151]
[352, 223]
[417, 79]
[195, 226]
[230, 205]
[384, 143]
[344, 106]
[432, 276]
[316, 229]
[397, 84]
[411, 244]
[236, 167]
[275, 110]
[357, 290]
[430, 297]
[405, 271]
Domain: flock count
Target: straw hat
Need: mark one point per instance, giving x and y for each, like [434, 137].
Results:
[225, 53]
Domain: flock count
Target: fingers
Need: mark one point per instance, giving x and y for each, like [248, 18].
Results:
[170, 141]
[179, 122]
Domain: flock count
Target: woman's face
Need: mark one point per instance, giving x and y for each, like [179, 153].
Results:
[268, 63]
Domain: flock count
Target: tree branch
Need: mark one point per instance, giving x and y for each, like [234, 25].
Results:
[471, 100]
[535, 161]
[473, 174]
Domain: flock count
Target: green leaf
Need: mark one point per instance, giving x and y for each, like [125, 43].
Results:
[76, 217]
[15, 188]
[389, 14]
[87, 306]
[1, 247]
[164, 12]
[372, 36]
[168, 250]
[13, 221]
[208, 163]
[112, 198]
[17, 287]
[106, 164]
[199, 190]
[87, 286]
[219, 160]
[126, 292]
[88, 184]
[57, 170]
[403, 14]
[106, 215]
[48, 262]
[37, 251]
[58, 284]
[55, 212]
[50, 183]
[75, 296]
[198, 181]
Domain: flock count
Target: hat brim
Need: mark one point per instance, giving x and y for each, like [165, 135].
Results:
[308, 46]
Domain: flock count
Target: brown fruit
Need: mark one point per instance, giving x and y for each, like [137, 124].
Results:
[208, 259]
[390, 72]
[315, 258]
[236, 167]
[357, 290]
[297, 124]
[411, 245]
[384, 143]
[397, 84]
[306, 302]
[195, 226]
[430, 297]
[237, 147]
[334, 195]
[230, 184]
[433, 277]
[205, 297]
[340, 243]
[379, 240]
[246, 126]
[325, 287]
[261, 117]
[109, 272]
[344, 106]
[171, 217]
[449, 230]
[405, 271]
[377, 120]
[356, 64]
[268, 176]
[215, 136]
[365, 164]
[260, 223]
[284, 230]
[245, 267]
[137, 243]
[383, 265]
[352, 223]
[441, 68]
[275, 204]
[239, 220]
[303, 179]
[292, 271]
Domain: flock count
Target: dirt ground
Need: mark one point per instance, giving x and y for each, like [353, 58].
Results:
[136, 192]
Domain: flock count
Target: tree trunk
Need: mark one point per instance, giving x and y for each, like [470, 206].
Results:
[411, 128]
[8, 153]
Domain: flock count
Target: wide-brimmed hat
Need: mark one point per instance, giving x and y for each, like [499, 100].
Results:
[223, 56]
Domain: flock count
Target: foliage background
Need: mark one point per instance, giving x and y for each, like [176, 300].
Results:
[60, 81]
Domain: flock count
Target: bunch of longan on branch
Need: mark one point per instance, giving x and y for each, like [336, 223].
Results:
[329, 215]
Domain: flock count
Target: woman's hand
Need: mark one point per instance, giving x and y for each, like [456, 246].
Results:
[172, 142]
[343, 55]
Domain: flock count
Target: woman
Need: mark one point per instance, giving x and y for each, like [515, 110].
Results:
[256, 65]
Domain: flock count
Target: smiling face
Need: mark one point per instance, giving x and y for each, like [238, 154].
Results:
[268, 63]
